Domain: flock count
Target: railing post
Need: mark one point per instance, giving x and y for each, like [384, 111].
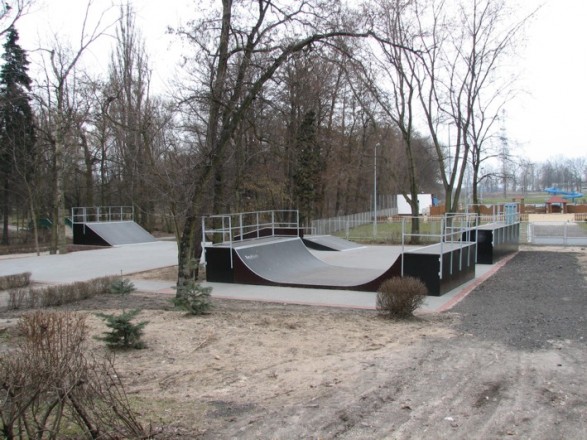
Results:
[203, 229]
[230, 240]
[257, 221]
[442, 238]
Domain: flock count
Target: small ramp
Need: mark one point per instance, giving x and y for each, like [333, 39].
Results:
[329, 243]
[110, 233]
[287, 262]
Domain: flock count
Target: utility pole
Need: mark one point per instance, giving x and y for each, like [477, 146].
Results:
[505, 153]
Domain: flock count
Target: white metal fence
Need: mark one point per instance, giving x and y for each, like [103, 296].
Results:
[566, 233]
[390, 228]
[345, 223]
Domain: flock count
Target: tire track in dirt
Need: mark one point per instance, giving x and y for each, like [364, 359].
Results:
[476, 390]
[441, 398]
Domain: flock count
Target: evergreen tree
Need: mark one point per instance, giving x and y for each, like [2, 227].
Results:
[309, 167]
[17, 131]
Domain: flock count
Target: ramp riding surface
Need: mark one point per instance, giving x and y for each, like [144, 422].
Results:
[287, 262]
[111, 233]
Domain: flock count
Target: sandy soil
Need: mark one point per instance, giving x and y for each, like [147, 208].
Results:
[272, 371]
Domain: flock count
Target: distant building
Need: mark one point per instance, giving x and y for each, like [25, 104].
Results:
[425, 201]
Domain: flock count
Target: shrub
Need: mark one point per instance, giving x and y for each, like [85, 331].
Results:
[17, 298]
[124, 333]
[50, 296]
[193, 298]
[51, 389]
[15, 281]
[399, 297]
[102, 285]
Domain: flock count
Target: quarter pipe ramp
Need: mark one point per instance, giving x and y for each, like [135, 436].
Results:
[110, 233]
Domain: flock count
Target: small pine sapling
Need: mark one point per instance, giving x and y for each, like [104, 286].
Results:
[193, 298]
[124, 333]
[122, 286]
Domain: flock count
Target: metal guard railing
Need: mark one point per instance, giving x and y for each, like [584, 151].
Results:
[226, 229]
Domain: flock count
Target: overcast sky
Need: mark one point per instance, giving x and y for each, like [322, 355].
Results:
[550, 119]
[546, 120]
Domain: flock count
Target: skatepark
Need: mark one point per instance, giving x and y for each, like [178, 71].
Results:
[264, 256]
[270, 248]
[130, 259]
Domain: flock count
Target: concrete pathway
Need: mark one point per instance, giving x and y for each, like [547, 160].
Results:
[323, 297]
[85, 265]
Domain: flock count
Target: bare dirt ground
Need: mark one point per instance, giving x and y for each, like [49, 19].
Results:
[507, 362]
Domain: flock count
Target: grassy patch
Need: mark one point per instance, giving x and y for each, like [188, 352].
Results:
[390, 232]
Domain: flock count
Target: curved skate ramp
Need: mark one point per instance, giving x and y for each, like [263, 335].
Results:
[285, 261]
[288, 262]
[329, 243]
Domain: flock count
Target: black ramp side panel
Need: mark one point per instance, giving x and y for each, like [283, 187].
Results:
[288, 262]
[85, 236]
[218, 265]
[458, 266]
[119, 233]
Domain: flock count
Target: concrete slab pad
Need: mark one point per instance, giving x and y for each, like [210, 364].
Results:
[85, 265]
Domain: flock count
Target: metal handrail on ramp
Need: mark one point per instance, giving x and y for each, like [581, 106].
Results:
[226, 229]
[93, 214]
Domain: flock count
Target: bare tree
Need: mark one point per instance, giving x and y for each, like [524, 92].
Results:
[459, 83]
[58, 97]
[394, 86]
[253, 43]
[129, 109]
[577, 168]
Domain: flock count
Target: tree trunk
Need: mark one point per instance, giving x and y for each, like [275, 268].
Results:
[34, 221]
[59, 244]
[5, 212]
[88, 171]
[189, 250]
